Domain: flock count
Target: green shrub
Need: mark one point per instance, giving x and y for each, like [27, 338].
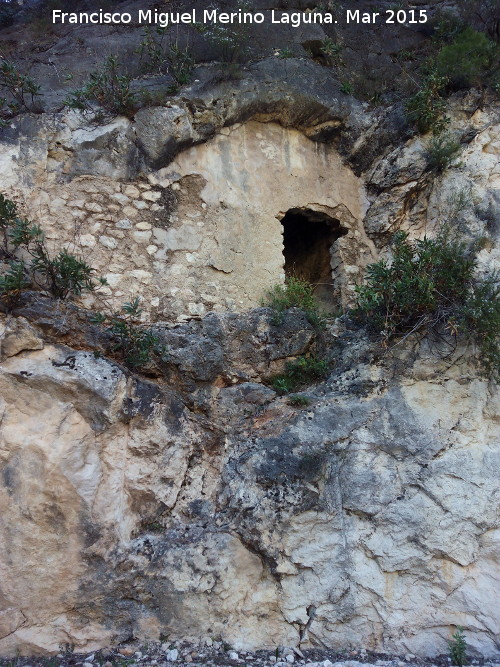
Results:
[467, 61]
[298, 373]
[62, 275]
[346, 88]
[106, 88]
[180, 64]
[150, 51]
[295, 293]
[285, 53]
[458, 647]
[441, 151]
[155, 56]
[331, 50]
[136, 345]
[21, 88]
[430, 288]
[14, 279]
[479, 319]
[426, 109]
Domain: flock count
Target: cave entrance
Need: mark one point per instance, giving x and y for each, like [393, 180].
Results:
[308, 238]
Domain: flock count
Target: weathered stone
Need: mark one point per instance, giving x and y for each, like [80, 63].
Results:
[16, 335]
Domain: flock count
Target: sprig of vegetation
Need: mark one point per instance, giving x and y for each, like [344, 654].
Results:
[180, 64]
[442, 149]
[150, 50]
[107, 88]
[155, 56]
[331, 49]
[430, 288]
[295, 293]
[465, 58]
[298, 373]
[426, 109]
[346, 88]
[285, 53]
[137, 345]
[457, 647]
[21, 88]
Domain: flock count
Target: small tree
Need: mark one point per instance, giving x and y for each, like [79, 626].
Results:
[21, 89]
[106, 88]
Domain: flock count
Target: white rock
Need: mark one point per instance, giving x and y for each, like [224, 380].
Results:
[108, 242]
[132, 191]
[87, 240]
[232, 655]
[121, 199]
[171, 655]
[153, 195]
[141, 237]
[93, 207]
[125, 223]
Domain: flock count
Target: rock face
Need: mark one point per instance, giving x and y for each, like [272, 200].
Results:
[211, 218]
[195, 502]
[131, 508]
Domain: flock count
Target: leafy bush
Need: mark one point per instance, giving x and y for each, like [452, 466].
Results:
[298, 373]
[426, 109]
[430, 288]
[346, 88]
[107, 88]
[155, 56]
[136, 345]
[62, 275]
[441, 151]
[467, 61]
[150, 51]
[295, 293]
[180, 64]
[21, 88]
[457, 647]
[14, 279]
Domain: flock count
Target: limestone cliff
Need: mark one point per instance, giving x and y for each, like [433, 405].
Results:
[187, 498]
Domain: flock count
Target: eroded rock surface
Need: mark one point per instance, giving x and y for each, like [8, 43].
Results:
[134, 509]
[188, 499]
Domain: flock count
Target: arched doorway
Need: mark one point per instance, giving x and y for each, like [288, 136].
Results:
[308, 237]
